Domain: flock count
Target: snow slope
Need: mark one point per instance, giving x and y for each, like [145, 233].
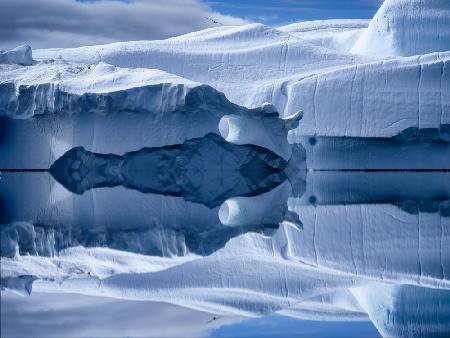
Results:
[21, 55]
[251, 64]
[338, 34]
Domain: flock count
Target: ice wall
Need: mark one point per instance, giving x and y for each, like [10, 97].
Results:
[376, 241]
[379, 99]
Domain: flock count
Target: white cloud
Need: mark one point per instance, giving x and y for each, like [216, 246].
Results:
[70, 315]
[68, 23]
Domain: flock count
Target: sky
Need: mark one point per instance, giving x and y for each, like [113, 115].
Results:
[71, 23]
[279, 12]
[69, 315]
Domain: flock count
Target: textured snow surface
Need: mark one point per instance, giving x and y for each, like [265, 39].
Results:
[339, 34]
[407, 27]
[57, 87]
[251, 64]
[320, 26]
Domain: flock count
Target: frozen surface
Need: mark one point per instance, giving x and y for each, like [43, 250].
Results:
[251, 64]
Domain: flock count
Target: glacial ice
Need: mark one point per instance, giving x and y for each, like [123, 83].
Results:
[379, 99]
[304, 244]
[349, 238]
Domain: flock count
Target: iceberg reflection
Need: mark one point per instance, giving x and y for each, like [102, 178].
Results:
[348, 246]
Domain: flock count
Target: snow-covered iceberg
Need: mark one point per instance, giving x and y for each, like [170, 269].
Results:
[188, 160]
[312, 67]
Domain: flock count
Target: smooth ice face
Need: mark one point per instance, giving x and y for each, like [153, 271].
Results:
[378, 99]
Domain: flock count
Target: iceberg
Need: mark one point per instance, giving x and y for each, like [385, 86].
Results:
[238, 170]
